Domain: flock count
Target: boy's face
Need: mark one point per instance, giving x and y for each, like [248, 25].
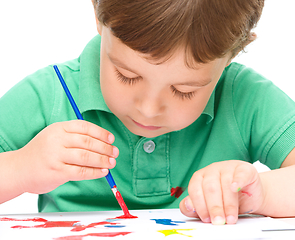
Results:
[152, 99]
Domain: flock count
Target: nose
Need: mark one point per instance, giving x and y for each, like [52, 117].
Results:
[150, 105]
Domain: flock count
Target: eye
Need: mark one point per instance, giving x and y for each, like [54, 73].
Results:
[182, 95]
[127, 80]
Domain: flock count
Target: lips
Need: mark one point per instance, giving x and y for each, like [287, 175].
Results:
[151, 128]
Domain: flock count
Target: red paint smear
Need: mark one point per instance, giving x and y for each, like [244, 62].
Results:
[123, 206]
[177, 191]
[24, 220]
[247, 193]
[80, 237]
[91, 225]
[50, 224]
[54, 224]
[125, 216]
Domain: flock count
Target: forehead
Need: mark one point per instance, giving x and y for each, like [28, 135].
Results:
[116, 45]
[122, 55]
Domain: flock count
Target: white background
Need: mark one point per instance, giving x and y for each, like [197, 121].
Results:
[36, 33]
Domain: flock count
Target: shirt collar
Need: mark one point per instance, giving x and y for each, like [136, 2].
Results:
[209, 109]
[90, 96]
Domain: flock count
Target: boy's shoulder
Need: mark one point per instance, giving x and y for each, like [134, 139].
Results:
[239, 81]
[46, 76]
[237, 72]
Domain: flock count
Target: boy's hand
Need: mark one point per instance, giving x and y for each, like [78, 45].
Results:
[222, 190]
[66, 151]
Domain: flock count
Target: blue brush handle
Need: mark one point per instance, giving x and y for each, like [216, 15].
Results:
[69, 95]
[109, 177]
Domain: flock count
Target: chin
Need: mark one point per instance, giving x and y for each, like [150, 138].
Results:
[147, 134]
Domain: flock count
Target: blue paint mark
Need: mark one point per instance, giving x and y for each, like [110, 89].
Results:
[112, 220]
[77, 224]
[115, 226]
[167, 221]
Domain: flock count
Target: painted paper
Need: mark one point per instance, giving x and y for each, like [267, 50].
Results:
[150, 224]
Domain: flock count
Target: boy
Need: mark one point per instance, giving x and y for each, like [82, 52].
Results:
[157, 84]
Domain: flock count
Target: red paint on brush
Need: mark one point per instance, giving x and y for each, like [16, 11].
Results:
[80, 237]
[126, 216]
[123, 206]
[177, 191]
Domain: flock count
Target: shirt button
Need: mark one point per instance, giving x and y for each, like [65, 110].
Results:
[149, 146]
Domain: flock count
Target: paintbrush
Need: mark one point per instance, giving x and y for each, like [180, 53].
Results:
[109, 176]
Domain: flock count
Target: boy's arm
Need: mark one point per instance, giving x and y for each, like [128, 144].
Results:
[64, 151]
[279, 189]
[218, 192]
[10, 186]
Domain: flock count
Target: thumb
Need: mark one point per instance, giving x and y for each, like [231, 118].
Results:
[187, 208]
[245, 175]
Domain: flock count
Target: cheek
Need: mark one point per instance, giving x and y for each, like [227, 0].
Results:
[184, 117]
[189, 111]
[108, 85]
[113, 93]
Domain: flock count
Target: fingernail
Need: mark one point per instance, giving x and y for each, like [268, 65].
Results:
[218, 221]
[248, 211]
[111, 138]
[189, 205]
[207, 220]
[112, 161]
[230, 219]
[115, 151]
[235, 187]
[104, 170]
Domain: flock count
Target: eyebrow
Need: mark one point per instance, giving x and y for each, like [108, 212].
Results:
[201, 83]
[120, 64]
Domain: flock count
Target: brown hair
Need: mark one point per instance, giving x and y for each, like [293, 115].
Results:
[208, 29]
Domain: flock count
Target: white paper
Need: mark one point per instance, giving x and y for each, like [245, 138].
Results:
[166, 224]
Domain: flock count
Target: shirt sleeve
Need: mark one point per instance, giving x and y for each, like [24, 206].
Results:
[266, 117]
[25, 109]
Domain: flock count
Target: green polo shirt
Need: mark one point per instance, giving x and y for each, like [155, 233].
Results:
[247, 118]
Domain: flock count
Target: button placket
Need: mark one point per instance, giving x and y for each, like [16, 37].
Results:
[151, 167]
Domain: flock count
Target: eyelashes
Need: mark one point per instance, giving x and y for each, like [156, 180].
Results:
[126, 80]
[131, 81]
[182, 95]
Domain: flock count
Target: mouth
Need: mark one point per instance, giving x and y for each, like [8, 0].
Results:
[151, 128]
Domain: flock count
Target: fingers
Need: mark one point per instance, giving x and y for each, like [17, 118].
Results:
[247, 183]
[89, 145]
[89, 129]
[187, 208]
[244, 175]
[230, 200]
[214, 191]
[215, 202]
[84, 158]
[198, 196]
[67, 151]
[78, 173]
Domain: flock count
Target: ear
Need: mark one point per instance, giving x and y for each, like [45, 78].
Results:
[98, 26]
[229, 58]
[251, 38]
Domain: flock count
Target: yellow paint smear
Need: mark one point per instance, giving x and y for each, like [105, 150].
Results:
[174, 231]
